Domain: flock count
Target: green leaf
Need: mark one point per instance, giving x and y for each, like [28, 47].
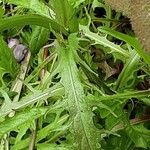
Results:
[35, 5]
[82, 127]
[92, 77]
[76, 3]
[31, 98]
[56, 126]
[115, 50]
[146, 101]
[48, 131]
[33, 19]
[22, 129]
[39, 37]
[21, 118]
[139, 135]
[65, 14]
[130, 40]
[111, 110]
[1, 12]
[112, 121]
[128, 76]
[121, 96]
[8, 63]
[121, 142]
[108, 106]
[52, 147]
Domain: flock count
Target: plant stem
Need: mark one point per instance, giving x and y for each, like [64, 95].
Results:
[132, 122]
[33, 137]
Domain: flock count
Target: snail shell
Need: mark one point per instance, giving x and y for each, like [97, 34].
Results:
[19, 50]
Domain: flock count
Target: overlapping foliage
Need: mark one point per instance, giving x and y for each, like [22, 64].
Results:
[85, 85]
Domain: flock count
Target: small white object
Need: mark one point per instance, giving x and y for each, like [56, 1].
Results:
[12, 42]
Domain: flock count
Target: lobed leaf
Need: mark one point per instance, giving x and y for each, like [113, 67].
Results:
[82, 124]
[114, 49]
[130, 40]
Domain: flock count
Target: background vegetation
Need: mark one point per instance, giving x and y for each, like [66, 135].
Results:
[84, 83]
